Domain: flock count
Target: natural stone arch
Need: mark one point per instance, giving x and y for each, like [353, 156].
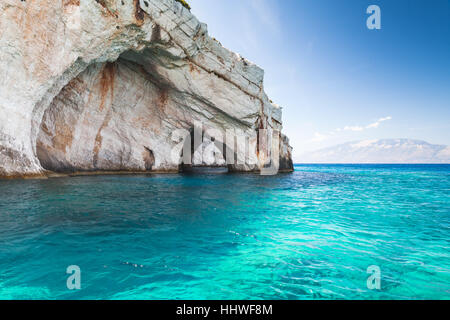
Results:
[225, 150]
[186, 61]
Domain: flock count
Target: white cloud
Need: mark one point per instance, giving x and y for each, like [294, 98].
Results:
[374, 125]
[378, 122]
[355, 128]
[318, 137]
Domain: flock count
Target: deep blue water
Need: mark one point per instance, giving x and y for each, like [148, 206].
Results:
[307, 235]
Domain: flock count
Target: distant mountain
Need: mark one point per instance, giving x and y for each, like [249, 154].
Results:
[380, 151]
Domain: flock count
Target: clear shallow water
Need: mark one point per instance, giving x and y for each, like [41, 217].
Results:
[307, 235]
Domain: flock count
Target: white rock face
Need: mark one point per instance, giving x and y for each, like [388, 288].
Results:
[103, 85]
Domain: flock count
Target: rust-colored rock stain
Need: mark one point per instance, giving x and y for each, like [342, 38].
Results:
[193, 68]
[63, 137]
[162, 99]
[138, 13]
[99, 138]
[72, 3]
[107, 83]
[106, 86]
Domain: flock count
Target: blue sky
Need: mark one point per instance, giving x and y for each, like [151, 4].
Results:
[336, 80]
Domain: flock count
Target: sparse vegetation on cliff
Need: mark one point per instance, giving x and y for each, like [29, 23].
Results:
[185, 4]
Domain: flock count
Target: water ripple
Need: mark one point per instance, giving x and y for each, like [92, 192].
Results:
[308, 235]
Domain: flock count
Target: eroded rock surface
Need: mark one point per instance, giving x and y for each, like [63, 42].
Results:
[103, 85]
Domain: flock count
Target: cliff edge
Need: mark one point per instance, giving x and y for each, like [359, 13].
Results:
[127, 85]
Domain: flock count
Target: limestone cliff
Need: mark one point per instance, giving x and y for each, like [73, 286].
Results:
[102, 85]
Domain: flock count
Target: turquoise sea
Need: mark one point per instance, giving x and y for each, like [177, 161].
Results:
[307, 235]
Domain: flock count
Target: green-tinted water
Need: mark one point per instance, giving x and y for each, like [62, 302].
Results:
[307, 235]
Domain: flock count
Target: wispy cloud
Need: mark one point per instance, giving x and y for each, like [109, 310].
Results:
[319, 137]
[373, 125]
[377, 123]
[353, 128]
